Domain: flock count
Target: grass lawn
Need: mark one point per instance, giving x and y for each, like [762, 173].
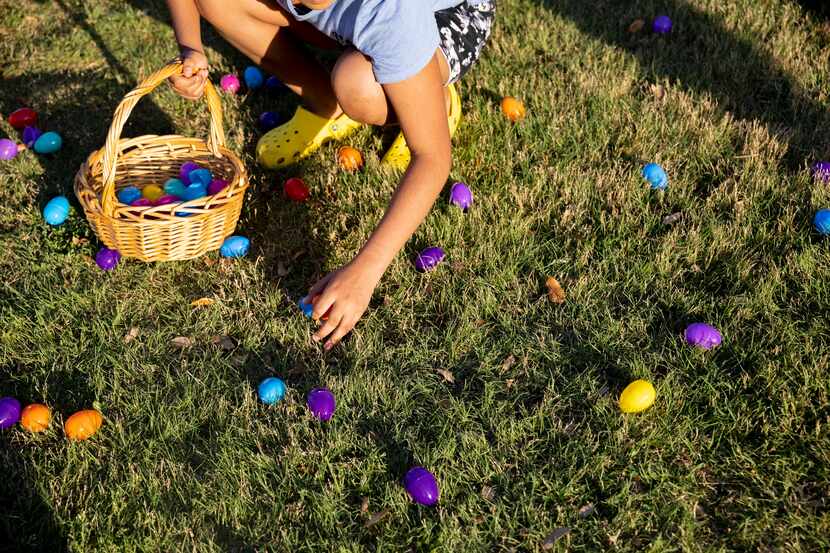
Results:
[526, 438]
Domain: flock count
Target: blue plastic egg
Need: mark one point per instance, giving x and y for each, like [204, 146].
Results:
[235, 246]
[202, 176]
[253, 77]
[128, 195]
[174, 187]
[48, 143]
[271, 390]
[56, 211]
[193, 192]
[306, 308]
[656, 176]
[822, 221]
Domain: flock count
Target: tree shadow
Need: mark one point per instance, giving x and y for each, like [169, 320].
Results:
[703, 55]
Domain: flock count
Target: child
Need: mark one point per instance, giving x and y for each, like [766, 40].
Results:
[399, 63]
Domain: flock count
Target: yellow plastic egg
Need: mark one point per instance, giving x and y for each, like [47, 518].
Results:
[83, 424]
[637, 396]
[152, 192]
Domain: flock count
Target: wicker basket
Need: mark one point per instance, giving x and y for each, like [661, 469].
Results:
[164, 232]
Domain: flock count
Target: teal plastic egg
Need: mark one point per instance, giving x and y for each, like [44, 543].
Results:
[48, 143]
[174, 187]
[235, 246]
[56, 211]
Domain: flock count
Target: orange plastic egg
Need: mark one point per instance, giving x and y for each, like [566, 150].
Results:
[350, 159]
[83, 424]
[512, 108]
[35, 417]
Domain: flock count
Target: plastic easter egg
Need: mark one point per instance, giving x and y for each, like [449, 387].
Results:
[821, 170]
[702, 335]
[321, 403]
[48, 143]
[512, 108]
[822, 221]
[296, 189]
[421, 486]
[200, 176]
[229, 83]
[56, 210]
[128, 195]
[637, 396]
[141, 202]
[83, 424]
[30, 136]
[429, 259]
[273, 84]
[194, 191]
[35, 417]
[306, 308]
[8, 149]
[185, 169]
[349, 159]
[23, 117]
[656, 176]
[661, 25]
[9, 412]
[461, 196]
[271, 390]
[253, 77]
[152, 192]
[216, 186]
[167, 199]
[174, 187]
[235, 246]
[107, 259]
[269, 120]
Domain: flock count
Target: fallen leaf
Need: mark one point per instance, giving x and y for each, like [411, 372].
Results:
[202, 302]
[447, 375]
[507, 363]
[131, 335]
[673, 218]
[555, 292]
[509, 382]
[364, 506]
[554, 536]
[209, 261]
[282, 270]
[488, 493]
[181, 342]
[586, 510]
[78, 241]
[375, 518]
[612, 538]
[225, 342]
[636, 26]
[659, 91]
[479, 322]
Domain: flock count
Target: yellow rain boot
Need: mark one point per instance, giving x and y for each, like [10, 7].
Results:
[300, 137]
[398, 156]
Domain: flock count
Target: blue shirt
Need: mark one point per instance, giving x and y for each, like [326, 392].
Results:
[400, 36]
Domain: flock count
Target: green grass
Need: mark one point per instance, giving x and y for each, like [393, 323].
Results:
[733, 456]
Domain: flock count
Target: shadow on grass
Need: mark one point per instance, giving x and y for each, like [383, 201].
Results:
[703, 55]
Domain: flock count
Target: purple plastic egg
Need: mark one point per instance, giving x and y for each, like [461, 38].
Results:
[107, 259]
[429, 259]
[30, 136]
[185, 170]
[821, 170]
[662, 25]
[321, 403]
[230, 83]
[8, 149]
[703, 335]
[421, 486]
[461, 196]
[269, 120]
[216, 186]
[9, 412]
[167, 199]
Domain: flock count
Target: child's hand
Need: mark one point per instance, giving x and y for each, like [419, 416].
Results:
[347, 292]
[191, 83]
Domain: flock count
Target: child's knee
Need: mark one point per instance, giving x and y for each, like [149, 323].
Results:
[357, 91]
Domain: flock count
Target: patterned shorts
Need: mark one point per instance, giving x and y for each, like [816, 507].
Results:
[463, 31]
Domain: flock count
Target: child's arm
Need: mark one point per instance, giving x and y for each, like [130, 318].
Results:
[191, 83]
[419, 104]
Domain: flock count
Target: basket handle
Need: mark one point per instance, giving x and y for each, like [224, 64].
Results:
[216, 140]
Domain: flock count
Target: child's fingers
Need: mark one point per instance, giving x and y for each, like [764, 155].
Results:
[346, 325]
[318, 287]
[328, 327]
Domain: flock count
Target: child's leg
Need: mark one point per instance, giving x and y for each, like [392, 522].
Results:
[261, 30]
[360, 95]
